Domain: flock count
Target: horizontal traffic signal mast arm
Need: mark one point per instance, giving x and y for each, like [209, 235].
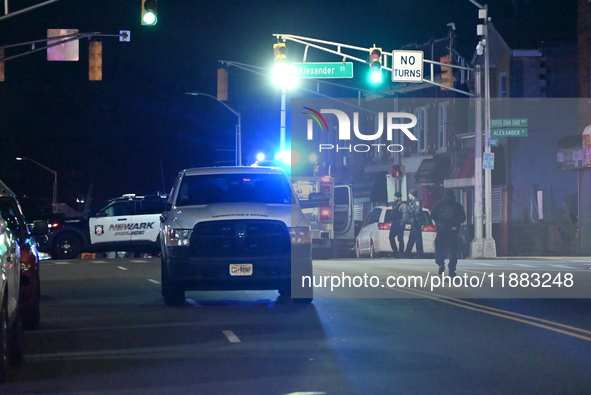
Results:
[318, 44]
[310, 42]
[64, 39]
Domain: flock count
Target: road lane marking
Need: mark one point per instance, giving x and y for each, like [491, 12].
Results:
[154, 281]
[510, 315]
[192, 302]
[61, 263]
[563, 266]
[122, 268]
[533, 321]
[231, 336]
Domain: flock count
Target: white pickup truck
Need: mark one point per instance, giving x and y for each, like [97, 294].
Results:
[234, 228]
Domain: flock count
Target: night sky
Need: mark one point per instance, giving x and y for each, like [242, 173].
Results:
[134, 130]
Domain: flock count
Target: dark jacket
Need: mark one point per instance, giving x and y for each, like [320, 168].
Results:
[401, 213]
[416, 209]
[447, 213]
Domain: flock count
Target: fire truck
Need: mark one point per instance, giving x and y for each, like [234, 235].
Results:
[329, 208]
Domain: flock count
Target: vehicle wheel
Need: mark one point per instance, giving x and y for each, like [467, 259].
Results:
[31, 317]
[285, 290]
[173, 296]
[357, 250]
[16, 343]
[372, 251]
[3, 340]
[303, 300]
[67, 246]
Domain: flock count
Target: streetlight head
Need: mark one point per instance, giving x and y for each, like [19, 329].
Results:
[20, 158]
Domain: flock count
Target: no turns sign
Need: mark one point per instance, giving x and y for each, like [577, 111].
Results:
[407, 66]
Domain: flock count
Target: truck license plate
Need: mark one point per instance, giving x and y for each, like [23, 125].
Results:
[241, 269]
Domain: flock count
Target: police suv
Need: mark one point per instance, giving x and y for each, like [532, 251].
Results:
[128, 223]
[235, 228]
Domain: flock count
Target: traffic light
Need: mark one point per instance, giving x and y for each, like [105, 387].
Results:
[222, 84]
[283, 74]
[375, 65]
[398, 171]
[447, 76]
[149, 12]
[280, 52]
[95, 61]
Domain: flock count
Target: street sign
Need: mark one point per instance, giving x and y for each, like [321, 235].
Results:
[407, 66]
[488, 160]
[508, 123]
[325, 69]
[517, 132]
[492, 142]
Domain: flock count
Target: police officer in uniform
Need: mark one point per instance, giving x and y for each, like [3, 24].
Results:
[400, 216]
[416, 235]
[448, 216]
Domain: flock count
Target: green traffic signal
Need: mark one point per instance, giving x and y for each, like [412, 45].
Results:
[149, 12]
[375, 65]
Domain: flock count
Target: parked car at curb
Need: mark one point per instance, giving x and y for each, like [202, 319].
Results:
[11, 330]
[25, 236]
[373, 239]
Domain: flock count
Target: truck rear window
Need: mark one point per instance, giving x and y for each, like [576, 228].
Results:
[234, 188]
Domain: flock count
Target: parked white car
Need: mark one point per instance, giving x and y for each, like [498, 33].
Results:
[373, 238]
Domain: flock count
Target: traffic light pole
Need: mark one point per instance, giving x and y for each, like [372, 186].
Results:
[476, 246]
[283, 126]
[490, 249]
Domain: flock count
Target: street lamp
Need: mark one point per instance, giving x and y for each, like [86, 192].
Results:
[54, 204]
[238, 126]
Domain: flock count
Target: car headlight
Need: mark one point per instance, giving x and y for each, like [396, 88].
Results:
[300, 235]
[178, 237]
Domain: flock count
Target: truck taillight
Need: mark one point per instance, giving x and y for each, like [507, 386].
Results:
[384, 226]
[325, 183]
[325, 213]
[429, 228]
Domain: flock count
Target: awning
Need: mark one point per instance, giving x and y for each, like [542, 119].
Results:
[432, 170]
[462, 170]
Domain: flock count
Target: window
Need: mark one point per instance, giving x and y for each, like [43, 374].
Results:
[442, 125]
[373, 217]
[421, 129]
[234, 188]
[118, 208]
[503, 85]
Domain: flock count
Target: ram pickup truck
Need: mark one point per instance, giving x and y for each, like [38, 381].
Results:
[234, 228]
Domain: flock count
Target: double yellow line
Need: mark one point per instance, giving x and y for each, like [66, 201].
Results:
[526, 319]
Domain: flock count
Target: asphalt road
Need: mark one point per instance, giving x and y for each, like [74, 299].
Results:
[105, 330]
